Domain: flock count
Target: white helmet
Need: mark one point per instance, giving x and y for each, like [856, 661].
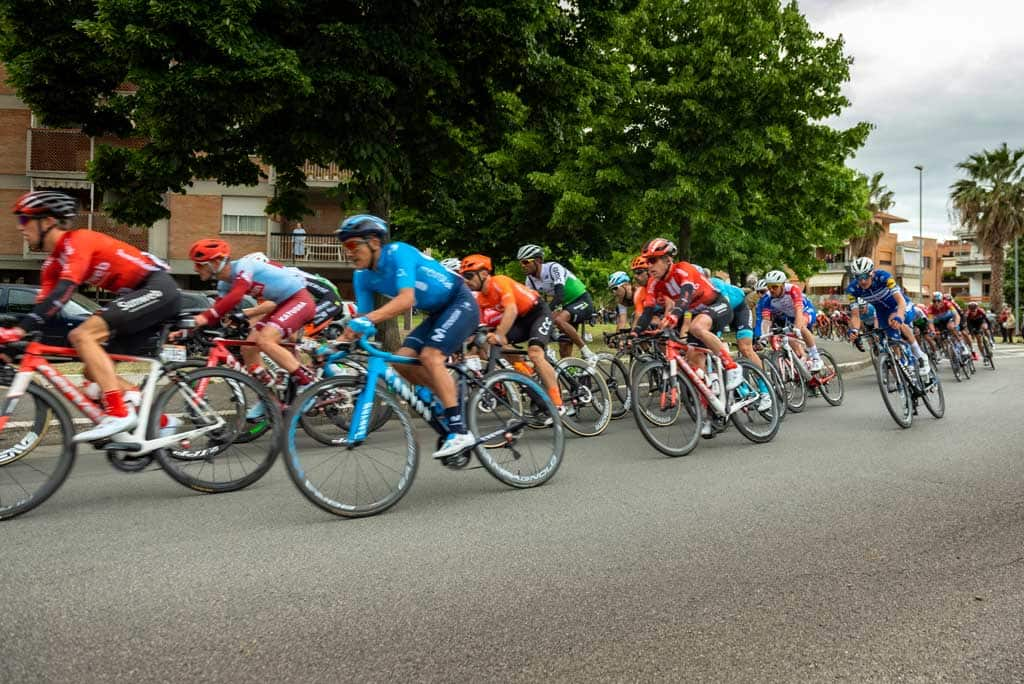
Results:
[937, 296]
[775, 278]
[453, 265]
[861, 266]
[258, 256]
[760, 286]
[530, 252]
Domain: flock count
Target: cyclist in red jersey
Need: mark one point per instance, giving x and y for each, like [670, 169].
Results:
[686, 292]
[147, 296]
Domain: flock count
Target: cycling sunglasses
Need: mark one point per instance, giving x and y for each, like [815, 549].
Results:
[25, 218]
[353, 244]
[639, 271]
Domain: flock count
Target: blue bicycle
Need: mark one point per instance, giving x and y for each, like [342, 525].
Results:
[900, 380]
[367, 469]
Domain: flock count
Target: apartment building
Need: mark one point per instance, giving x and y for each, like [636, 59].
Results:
[35, 157]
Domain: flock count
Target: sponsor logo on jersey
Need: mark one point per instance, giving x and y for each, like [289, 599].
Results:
[136, 303]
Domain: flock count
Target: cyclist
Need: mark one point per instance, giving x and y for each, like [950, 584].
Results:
[787, 302]
[691, 302]
[570, 302]
[524, 316]
[977, 323]
[452, 264]
[945, 314]
[622, 287]
[147, 296]
[879, 288]
[412, 279]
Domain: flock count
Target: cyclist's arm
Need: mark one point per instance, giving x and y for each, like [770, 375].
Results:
[260, 309]
[901, 305]
[400, 303]
[557, 285]
[226, 304]
[48, 307]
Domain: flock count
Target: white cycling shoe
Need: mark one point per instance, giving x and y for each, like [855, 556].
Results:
[924, 369]
[765, 403]
[816, 364]
[454, 443]
[108, 427]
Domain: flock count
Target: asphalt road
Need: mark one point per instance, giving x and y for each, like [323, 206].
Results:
[847, 549]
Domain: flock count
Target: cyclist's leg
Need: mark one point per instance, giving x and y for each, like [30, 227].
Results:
[743, 324]
[535, 328]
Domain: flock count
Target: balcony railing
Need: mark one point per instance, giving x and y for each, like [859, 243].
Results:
[61, 150]
[973, 261]
[321, 248]
[331, 173]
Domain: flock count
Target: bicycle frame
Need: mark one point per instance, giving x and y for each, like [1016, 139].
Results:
[676, 351]
[33, 361]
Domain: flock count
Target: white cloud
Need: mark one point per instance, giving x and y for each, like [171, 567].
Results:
[939, 79]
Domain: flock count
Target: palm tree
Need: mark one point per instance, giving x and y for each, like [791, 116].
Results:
[880, 198]
[990, 202]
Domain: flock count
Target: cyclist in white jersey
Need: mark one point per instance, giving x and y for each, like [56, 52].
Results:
[570, 302]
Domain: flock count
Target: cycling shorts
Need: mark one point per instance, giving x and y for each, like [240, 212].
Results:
[942, 320]
[718, 311]
[743, 322]
[580, 310]
[290, 315]
[136, 318]
[447, 328]
[974, 324]
[535, 328]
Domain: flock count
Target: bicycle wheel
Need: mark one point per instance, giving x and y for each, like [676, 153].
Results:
[658, 408]
[215, 461]
[986, 351]
[895, 392]
[616, 377]
[830, 379]
[756, 423]
[933, 397]
[777, 385]
[588, 406]
[351, 480]
[327, 421]
[792, 384]
[499, 411]
[953, 354]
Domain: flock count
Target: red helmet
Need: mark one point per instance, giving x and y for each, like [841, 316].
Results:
[209, 249]
[40, 203]
[476, 262]
[639, 262]
[658, 247]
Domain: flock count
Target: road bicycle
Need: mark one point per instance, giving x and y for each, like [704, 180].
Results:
[960, 361]
[672, 400]
[365, 472]
[985, 348]
[797, 380]
[899, 380]
[190, 433]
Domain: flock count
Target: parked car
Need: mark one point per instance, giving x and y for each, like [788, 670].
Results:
[16, 300]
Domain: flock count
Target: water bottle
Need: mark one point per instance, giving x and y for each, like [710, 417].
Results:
[702, 376]
[473, 363]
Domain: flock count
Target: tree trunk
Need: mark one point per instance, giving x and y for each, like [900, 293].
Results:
[388, 334]
[997, 257]
[685, 233]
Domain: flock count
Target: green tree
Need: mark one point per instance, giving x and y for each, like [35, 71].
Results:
[990, 202]
[880, 198]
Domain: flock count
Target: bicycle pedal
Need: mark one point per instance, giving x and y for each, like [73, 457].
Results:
[457, 461]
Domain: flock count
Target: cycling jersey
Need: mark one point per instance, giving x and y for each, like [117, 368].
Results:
[881, 292]
[94, 258]
[553, 275]
[735, 295]
[943, 309]
[261, 279]
[402, 266]
[784, 306]
[500, 292]
[684, 285]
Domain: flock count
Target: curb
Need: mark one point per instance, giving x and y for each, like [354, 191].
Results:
[850, 367]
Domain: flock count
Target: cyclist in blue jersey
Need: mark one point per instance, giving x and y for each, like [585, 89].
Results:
[288, 305]
[410, 278]
[879, 288]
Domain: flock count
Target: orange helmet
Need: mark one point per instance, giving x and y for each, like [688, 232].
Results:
[639, 262]
[476, 262]
[658, 247]
[206, 250]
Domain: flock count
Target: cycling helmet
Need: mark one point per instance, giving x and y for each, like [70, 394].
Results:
[452, 265]
[530, 252]
[658, 247]
[363, 225]
[937, 296]
[616, 279]
[639, 262]
[861, 266]
[972, 305]
[475, 262]
[760, 286]
[775, 278]
[258, 256]
[40, 203]
[203, 251]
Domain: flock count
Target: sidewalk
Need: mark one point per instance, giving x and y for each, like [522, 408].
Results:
[846, 355]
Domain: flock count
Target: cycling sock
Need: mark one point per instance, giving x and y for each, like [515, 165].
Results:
[453, 416]
[261, 374]
[115, 404]
[556, 396]
[813, 351]
[727, 361]
[917, 350]
[303, 376]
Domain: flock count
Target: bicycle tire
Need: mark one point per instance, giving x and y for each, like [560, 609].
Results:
[203, 469]
[513, 406]
[888, 375]
[832, 390]
[792, 381]
[650, 382]
[28, 460]
[986, 351]
[333, 423]
[304, 464]
[755, 380]
[934, 397]
[780, 392]
[585, 397]
[616, 377]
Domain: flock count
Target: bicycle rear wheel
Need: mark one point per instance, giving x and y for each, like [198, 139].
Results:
[792, 383]
[757, 424]
[616, 377]
[215, 461]
[666, 408]
[356, 480]
[895, 392]
[830, 379]
[500, 412]
[32, 464]
[933, 397]
[588, 406]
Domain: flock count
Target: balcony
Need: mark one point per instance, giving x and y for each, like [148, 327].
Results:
[325, 176]
[905, 271]
[320, 249]
[973, 264]
[66, 153]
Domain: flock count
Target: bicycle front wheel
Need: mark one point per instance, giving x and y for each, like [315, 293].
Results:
[758, 421]
[500, 413]
[588, 406]
[830, 379]
[666, 408]
[32, 465]
[350, 480]
[616, 377]
[895, 392]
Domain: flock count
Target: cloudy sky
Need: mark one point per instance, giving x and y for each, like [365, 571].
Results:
[940, 80]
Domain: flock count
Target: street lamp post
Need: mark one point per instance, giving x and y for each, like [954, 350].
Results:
[920, 224]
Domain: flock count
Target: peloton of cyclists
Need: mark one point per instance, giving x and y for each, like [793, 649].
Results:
[945, 315]
[785, 302]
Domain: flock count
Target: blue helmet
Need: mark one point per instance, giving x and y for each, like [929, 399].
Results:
[363, 225]
[616, 279]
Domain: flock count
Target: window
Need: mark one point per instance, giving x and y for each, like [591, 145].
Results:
[20, 301]
[927, 262]
[244, 215]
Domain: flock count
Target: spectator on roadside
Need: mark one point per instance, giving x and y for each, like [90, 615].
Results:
[1007, 323]
[299, 242]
